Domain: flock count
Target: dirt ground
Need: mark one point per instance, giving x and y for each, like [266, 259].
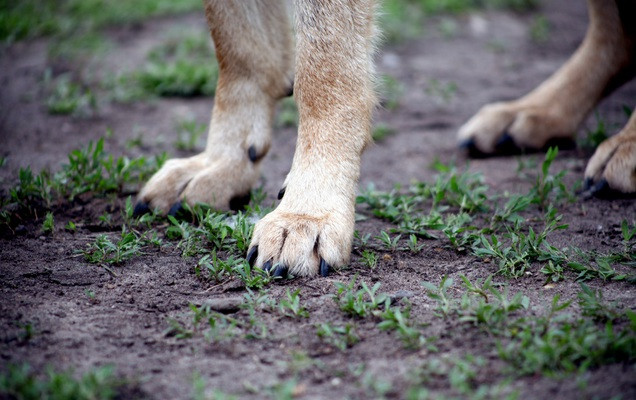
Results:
[490, 57]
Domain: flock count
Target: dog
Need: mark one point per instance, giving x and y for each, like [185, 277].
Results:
[331, 75]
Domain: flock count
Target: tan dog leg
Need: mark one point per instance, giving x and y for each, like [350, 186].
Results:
[613, 164]
[312, 228]
[559, 105]
[253, 47]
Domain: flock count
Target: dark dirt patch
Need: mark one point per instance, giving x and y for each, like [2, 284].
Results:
[44, 283]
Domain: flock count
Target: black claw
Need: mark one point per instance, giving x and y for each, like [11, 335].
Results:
[281, 193]
[267, 266]
[467, 144]
[561, 143]
[471, 149]
[280, 271]
[601, 189]
[239, 202]
[175, 209]
[253, 154]
[141, 208]
[290, 91]
[324, 268]
[251, 255]
[506, 145]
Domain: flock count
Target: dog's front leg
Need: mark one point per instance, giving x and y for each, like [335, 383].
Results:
[613, 165]
[254, 49]
[312, 227]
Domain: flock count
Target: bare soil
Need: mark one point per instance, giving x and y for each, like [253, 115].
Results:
[43, 283]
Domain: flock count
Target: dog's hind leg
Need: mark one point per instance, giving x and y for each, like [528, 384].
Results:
[255, 54]
[312, 227]
[556, 108]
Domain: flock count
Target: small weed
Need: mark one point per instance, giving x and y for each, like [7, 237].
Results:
[354, 302]
[390, 243]
[592, 305]
[629, 237]
[515, 258]
[182, 66]
[104, 251]
[376, 386]
[510, 211]
[441, 92]
[300, 362]
[466, 190]
[290, 306]
[70, 226]
[594, 137]
[592, 265]
[554, 344]
[188, 134]
[217, 326]
[370, 259]
[287, 113]
[362, 239]
[253, 278]
[32, 18]
[48, 225]
[341, 337]
[92, 170]
[462, 375]
[199, 391]
[547, 185]
[414, 246]
[69, 97]
[484, 305]
[20, 383]
[445, 304]
[403, 19]
[394, 319]
[286, 390]
[525, 164]
[190, 237]
[459, 232]
[391, 90]
[106, 219]
[216, 267]
[540, 29]
[381, 132]
[180, 78]
[553, 272]
[28, 331]
[30, 191]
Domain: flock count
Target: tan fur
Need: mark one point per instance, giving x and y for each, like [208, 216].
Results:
[335, 97]
[254, 49]
[615, 160]
[334, 91]
[557, 107]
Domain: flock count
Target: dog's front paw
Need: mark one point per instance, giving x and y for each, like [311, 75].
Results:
[507, 128]
[223, 183]
[304, 236]
[613, 166]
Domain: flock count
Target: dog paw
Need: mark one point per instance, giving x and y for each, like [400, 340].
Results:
[222, 183]
[303, 238]
[507, 128]
[612, 168]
